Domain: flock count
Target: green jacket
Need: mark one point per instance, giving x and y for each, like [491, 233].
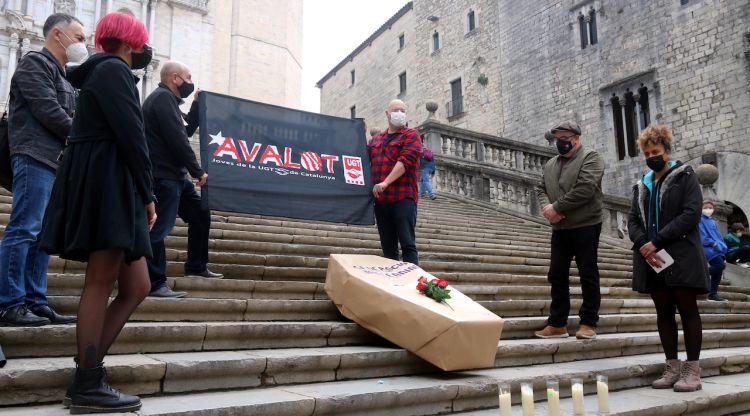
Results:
[575, 190]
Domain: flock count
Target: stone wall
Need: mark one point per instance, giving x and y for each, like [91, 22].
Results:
[693, 61]
[251, 49]
[689, 57]
[376, 77]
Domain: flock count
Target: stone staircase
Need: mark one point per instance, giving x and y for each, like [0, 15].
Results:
[266, 340]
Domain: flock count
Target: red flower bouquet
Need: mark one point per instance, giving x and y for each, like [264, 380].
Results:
[435, 289]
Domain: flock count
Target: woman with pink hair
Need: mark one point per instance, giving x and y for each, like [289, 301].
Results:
[102, 205]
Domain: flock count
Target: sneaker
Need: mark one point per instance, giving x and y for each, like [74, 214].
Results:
[586, 332]
[432, 197]
[552, 332]
[206, 273]
[717, 298]
[166, 292]
[745, 265]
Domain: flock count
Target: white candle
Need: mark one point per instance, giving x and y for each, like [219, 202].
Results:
[527, 399]
[505, 404]
[602, 393]
[553, 402]
[577, 393]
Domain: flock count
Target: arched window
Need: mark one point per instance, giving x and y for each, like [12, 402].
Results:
[619, 133]
[583, 29]
[631, 126]
[592, 26]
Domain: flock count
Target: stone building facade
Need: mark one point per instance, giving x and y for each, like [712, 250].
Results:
[250, 48]
[613, 66]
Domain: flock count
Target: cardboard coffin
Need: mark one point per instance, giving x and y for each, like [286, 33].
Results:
[380, 294]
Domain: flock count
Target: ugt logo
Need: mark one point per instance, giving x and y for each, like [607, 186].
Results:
[353, 170]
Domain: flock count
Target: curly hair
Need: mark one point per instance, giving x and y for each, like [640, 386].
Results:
[656, 134]
[116, 28]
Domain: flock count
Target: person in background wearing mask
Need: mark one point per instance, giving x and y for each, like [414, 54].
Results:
[570, 195]
[41, 107]
[173, 159]
[102, 205]
[394, 158]
[737, 253]
[664, 215]
[714, 247]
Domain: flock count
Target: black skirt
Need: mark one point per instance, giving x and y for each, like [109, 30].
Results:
[94, 206]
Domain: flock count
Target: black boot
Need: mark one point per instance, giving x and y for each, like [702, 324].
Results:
[90, 393]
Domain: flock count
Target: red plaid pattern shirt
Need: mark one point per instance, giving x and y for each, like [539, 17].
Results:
[404, 147]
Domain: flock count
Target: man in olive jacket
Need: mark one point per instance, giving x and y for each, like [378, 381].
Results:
[571, 199]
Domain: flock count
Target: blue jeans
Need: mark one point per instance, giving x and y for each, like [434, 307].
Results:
[396, 222]
[23, 267]
[715, 269]
[425, 183]
[173, 198]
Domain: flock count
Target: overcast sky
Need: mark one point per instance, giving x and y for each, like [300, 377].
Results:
[332, 29]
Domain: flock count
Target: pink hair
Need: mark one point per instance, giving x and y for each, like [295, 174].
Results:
[116, 28]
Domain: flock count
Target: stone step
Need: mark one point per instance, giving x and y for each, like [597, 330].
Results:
[441, 393]
[463, 272]
[41, 380]
[182, 336]
[195, 309]
[71, 284]
[720, 395]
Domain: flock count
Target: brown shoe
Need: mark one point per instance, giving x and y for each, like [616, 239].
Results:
[690, 377]
[670, 375]
[552, 332]
[586, 332]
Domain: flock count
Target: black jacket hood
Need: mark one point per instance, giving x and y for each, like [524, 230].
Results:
[77, 75]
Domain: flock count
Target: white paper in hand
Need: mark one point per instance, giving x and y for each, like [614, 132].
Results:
[666, 261]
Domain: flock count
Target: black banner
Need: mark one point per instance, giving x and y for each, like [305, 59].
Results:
[269, 160]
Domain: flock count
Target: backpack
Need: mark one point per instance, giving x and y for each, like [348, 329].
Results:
[427, 153]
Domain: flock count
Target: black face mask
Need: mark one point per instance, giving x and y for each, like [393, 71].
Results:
[141, 59]
[185, 89]
[564, 146]
[656, 163]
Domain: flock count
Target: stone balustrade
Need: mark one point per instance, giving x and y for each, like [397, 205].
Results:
[501, 172]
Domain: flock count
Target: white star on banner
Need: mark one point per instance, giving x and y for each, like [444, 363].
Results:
[216, 139]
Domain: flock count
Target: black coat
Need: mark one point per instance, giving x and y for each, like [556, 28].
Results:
[679, 215]
[104, 182]
[172, 156]
[41, 108]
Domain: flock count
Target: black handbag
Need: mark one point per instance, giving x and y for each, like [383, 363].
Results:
[6, 168]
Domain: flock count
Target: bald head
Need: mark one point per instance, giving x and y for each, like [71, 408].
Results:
[396, 105]
[396, 115]
[173, 67]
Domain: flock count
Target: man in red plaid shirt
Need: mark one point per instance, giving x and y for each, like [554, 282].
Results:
[394, 159]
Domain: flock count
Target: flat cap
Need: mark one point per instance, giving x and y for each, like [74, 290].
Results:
[567, 126]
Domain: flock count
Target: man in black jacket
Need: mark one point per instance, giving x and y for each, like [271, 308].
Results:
[41, 108]
[172, 159]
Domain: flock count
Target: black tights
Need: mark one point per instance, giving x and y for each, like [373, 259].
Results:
[692, 328]
[100, 323]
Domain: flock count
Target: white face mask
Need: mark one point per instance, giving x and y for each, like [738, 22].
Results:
[398, 118]
[738, 233]
[708, 212]
[76, 51]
